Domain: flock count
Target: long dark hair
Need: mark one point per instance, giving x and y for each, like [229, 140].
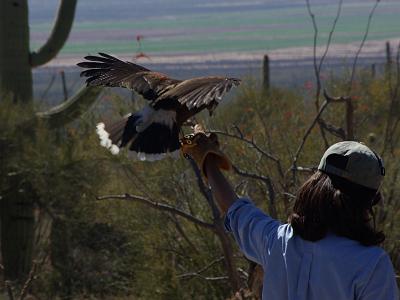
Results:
[327, 203]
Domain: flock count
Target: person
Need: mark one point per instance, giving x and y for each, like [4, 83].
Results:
[329, 249]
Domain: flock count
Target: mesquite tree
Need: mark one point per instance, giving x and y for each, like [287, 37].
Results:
[16, 63]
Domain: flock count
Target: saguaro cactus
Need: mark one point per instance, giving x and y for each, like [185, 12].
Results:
[265, 73]
[15, 68]
[16, 63]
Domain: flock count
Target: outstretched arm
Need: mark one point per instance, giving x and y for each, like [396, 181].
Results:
[253, 230]
[221, 188]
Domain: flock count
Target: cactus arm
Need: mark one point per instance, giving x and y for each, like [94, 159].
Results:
[71, 109]
[58, 36]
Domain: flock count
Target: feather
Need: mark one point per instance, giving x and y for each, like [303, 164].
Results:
[106, 70]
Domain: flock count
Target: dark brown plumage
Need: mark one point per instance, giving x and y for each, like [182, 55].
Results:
[171, 101]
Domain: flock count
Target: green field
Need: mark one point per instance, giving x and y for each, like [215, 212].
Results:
[231, 31]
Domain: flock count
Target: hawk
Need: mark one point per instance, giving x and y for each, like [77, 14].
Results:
[153, 132]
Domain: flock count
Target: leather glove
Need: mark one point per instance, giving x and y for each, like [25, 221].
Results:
[199, 144]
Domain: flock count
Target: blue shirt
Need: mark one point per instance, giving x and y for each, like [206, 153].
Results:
[295, 269]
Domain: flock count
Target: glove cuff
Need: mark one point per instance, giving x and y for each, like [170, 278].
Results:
[221, 159]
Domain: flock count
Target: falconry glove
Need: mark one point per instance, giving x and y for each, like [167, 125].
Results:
[199, 144]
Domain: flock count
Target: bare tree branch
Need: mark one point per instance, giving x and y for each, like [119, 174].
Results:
[254, 146]
[290, 195]
[268, 183]
[349, 112]
[183, 234]
[317, 70]
[219, 278]
[321, 63]
[353, 70]
[205, 190]
[308, 131]
[341, 99]
[328, 100]
[184, 255]
[336, 131]
[191, 275]
[208, 266]
[247, 141]
[245, 274]
[159, 206]
[330, 37]
[318, 67]
[306, 169]
[28, 282]
[314, 22]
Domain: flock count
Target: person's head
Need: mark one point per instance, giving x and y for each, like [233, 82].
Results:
[339, 197]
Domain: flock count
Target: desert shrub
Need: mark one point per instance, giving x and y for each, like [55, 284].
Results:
[116, 249]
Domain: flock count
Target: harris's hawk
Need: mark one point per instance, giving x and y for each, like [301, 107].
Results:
[153, 132]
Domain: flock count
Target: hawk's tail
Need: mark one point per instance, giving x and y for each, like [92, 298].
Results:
[154, 142]
[116, 135]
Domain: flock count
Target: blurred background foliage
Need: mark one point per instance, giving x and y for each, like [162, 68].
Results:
[86, 248]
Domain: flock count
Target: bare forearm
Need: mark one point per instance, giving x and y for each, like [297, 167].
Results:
[221, 188]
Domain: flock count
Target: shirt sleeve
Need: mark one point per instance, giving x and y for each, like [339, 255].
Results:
[382, 282]
[254, 231]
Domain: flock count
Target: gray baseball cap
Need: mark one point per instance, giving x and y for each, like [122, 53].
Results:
[355, 162]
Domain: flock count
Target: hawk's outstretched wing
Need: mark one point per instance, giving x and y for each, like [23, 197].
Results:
[200, 91]
[106, 70]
